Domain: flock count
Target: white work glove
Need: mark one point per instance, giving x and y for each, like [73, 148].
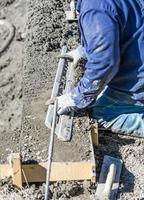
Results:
[75, 55]
[65, 104]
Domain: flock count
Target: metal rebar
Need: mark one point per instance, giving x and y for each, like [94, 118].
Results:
[50, 152]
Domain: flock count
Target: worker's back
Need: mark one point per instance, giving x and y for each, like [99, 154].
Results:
[128, 84]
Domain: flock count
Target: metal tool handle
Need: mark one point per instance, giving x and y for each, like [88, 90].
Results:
[50, 152]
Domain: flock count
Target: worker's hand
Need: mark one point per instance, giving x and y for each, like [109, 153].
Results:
[65, 104]
[75, 55]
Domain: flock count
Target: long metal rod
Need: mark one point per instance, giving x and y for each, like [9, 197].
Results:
[50, 152]
[59, 74]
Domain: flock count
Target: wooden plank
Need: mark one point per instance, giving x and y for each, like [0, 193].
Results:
[93, 175]
[95, 134]
[37, 172]
[59, 171]
[5, 171]
[17, 171]
[85, 170]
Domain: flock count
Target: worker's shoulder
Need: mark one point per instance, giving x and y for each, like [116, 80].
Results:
[113, 6]
[107, 5]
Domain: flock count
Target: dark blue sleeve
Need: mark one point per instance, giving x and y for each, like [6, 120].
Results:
[100, 35]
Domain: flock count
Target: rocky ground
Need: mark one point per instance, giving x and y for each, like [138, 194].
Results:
[46, 31]
[11, 78]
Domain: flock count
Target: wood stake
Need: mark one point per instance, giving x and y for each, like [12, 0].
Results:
[95, 134]
[17, 171]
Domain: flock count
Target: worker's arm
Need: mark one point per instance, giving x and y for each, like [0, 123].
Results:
[100, 35]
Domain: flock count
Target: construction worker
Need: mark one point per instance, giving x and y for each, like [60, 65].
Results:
[112, 87]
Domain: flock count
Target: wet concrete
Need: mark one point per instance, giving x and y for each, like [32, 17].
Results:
[39, 71]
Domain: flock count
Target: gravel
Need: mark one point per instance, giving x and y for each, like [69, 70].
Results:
[46, 32]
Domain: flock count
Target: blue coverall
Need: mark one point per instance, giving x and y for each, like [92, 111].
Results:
[112, 33]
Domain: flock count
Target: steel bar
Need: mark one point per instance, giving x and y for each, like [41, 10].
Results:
[50, 152]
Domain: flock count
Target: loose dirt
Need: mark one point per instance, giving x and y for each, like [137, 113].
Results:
[46, 32]
[11, 79]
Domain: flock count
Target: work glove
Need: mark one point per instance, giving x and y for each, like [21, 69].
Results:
[75, 55]
[65, 104]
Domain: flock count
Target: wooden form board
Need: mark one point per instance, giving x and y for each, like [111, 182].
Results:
[5, 171]
[94, 134]
[94, 140]
[37, 172]
[61, 171]
[16, 170]
[93, 179]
